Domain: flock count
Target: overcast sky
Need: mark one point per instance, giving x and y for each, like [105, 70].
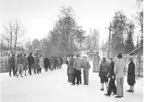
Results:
[38, 16]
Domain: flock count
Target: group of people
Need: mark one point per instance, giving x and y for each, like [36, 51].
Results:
[74, 67]
[22, 63]
[115, 72]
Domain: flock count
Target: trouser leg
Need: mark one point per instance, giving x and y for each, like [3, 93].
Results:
[114, 86]
[87, 77]
[109, 91]
[78, 77]
[29, 69]
[119, 86]
[10, 71]
[84, 74]
[74, 77]
[13, 70]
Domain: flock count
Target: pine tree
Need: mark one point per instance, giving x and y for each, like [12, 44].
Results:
[129, 41]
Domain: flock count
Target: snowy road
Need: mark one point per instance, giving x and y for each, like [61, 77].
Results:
[53, 87]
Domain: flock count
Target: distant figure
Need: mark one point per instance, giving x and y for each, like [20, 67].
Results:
[86, 66]
[119, 70]
[111, 75]
[67, 61]
[30, 63]
[131, 75]
[41, 63]
[70, 69]
[36, 64]
[20, 65]
[12, 66]
[77, 70]
[104, 69]
[25, 64]
[46, 64]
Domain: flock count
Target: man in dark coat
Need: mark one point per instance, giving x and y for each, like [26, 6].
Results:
[30, 63]
[11, 62]
[131, 75]
[103, 72]
[111, 75]
[46, 64]
[70, 68]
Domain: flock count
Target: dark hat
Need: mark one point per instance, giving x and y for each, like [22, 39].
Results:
[119, 56]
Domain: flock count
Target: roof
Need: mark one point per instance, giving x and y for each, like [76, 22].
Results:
[137, 50]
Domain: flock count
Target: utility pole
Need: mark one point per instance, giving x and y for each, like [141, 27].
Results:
[109, 40]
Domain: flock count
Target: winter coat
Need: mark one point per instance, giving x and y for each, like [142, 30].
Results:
[41, 62]
[104, 69]
[119, 68]
[131, 73]
[30, 60]
[11, 61]
[70, 65]
[77, 64]
[111, 70]
[20, 60]
[36, 62]
[85, 66]
[46, 62]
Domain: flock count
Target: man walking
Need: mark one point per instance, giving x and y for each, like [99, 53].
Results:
[111, 75]
[119, 70]
[36, 64]
[12, 66]
[25, 64]
[20, 65]
[46, 64]
[30, 63]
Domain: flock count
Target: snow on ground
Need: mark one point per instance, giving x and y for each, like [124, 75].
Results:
[52, 86]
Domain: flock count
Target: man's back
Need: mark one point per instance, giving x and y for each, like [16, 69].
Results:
[30, 60]
[77, 64]
[119, 68]
[20, 60]
[12, 61]
[104, 67]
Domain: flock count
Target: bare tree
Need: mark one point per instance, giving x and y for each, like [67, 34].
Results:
[13, 32]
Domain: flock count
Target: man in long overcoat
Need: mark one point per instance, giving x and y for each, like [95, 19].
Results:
[70, 68]
[131, 75]
[46, 64]
[30, 63]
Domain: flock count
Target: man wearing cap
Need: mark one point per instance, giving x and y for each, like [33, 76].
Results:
[119, 70]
